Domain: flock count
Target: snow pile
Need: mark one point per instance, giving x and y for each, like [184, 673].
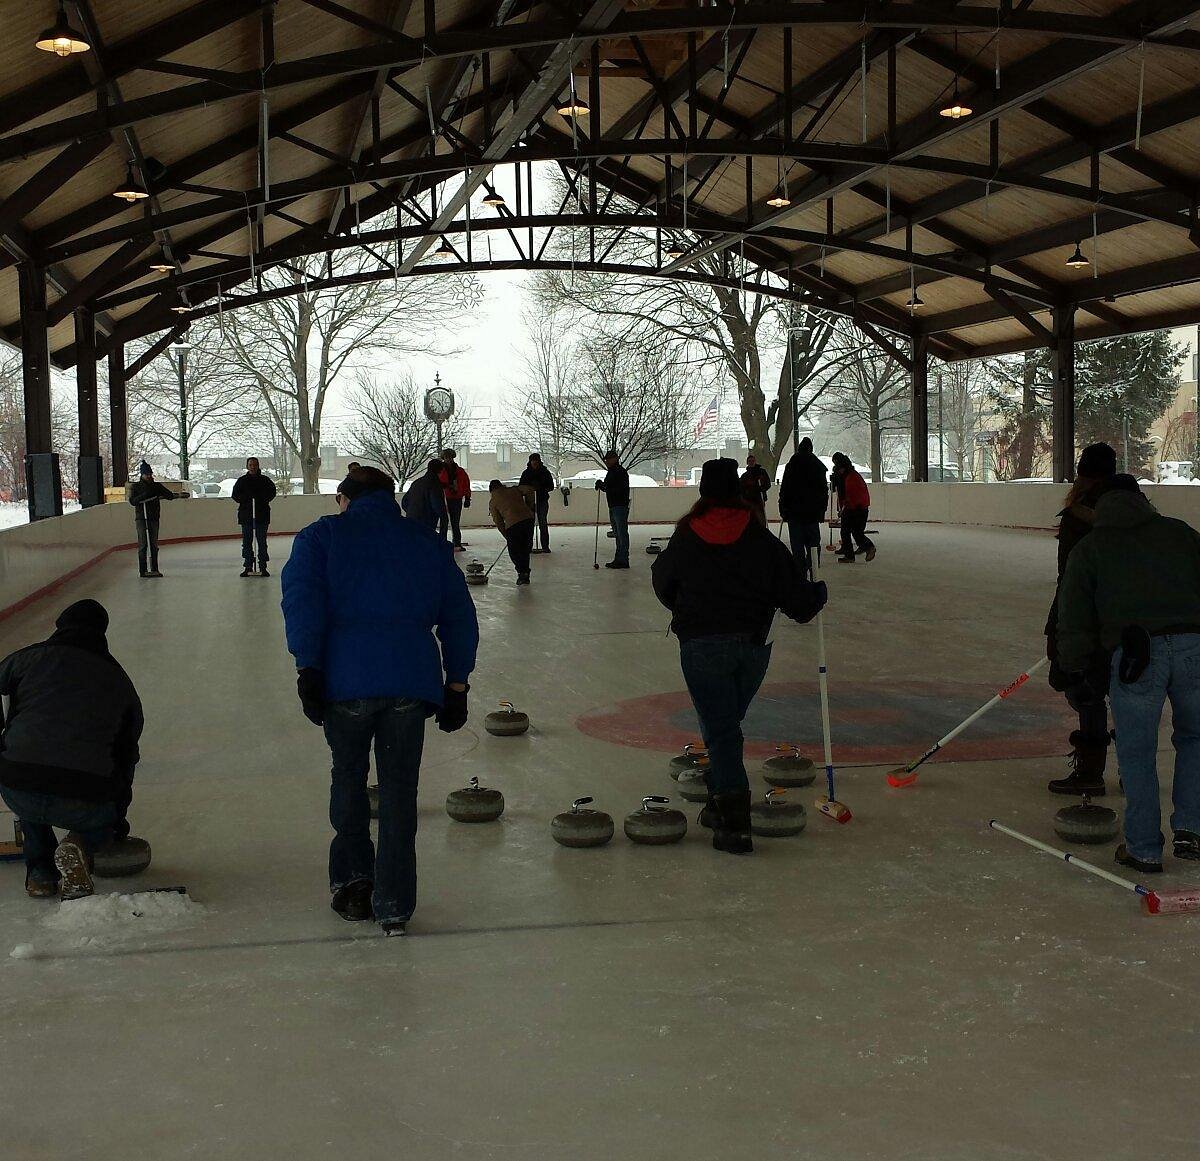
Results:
[101, 920]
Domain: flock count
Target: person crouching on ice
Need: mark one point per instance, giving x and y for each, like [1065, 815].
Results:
[723, 576]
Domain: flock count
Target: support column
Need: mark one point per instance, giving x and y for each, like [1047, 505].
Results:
[1062, 423]
[43, 486]
[919, 379]
[117, 422]
[91, 466]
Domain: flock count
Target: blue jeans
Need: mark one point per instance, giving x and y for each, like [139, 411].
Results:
[249, 531]
[94, 822]
[723, 675]
[618, 517]
[804, 535]
[396, 726]
[1173, 674]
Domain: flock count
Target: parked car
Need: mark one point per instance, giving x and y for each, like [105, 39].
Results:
[589, 476]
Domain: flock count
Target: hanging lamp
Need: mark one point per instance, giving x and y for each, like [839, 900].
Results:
[1078, 260]
[131, 189]
[61, 38]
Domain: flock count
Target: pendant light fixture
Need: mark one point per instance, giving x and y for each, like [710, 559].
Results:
[131, 189]
[956, 109]
[914, 303]
[1078, 260]
[675, 251]
[495, 199]
[779, 200]
[61, 38]
[574, 106]
[444, 252]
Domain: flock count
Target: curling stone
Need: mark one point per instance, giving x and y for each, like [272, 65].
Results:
[474, 567]
[655, 824]
[373, 800]
[775, 817]
[506, 721]
[474, 803]
[477, 578]
[123, 856]
[578, 827]
[789, 768]
[689, 759]
[692, 784]
[1086, 824]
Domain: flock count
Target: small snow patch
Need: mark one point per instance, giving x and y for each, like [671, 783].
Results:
[23, 951]
[101, 919]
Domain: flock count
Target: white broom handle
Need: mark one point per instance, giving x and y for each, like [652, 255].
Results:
[1007, 691]
[1074, 860]
[823, 681]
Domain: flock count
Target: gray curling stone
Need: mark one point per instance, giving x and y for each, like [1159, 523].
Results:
[578, 827]
[789, 768]
[692, 785]
[474, 803]
[507, 721]
[477, 578]
[1086, 824]
[655, 824]
[373, 800]
[691, 757]
[124, 856]
[474, 567]
[775, 817]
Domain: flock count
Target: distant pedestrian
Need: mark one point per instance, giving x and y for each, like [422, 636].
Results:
[363, 594]
[511, 510]
[425, 500]
[803, 502]
[253, 494]
[723, 576]
[145, 495]
[854, 502]
[755, 485]
[537, 476]
[615, 487]
[457, 488]
[69, 749]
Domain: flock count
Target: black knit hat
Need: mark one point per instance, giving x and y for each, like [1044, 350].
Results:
[363, 480]
[719, 479]
[85, 614]
[1097, 460]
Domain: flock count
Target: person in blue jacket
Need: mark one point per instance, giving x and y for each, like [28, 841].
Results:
[363, 594]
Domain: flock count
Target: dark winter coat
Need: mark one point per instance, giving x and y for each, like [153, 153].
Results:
[425, 500]
[145, 495]
[1074, 523]
[539, 479]
[1137, 567]
[723, 572]
[851, 489]
[253, 495]
[756, 483]
[363, 593]
[804, 490]
[615, 487]
[73, 721]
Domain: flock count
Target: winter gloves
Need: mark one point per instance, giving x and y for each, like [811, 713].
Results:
[453, 714]
[310, 686]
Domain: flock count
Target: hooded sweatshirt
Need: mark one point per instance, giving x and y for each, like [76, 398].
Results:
[1137, 567]
[804, 491]
[74, 718]
[723, 572]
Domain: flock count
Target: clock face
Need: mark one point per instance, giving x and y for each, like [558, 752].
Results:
[439, 403]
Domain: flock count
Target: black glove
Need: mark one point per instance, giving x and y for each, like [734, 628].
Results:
[310, 685]
[466, 501]
[821, 595]
[599, 486]
[453, 713]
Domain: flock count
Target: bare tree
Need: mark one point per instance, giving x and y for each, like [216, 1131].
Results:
[391, 429]
[961, 398]
[541, 419]
[294, 348]
[627, 399]
[12, 426]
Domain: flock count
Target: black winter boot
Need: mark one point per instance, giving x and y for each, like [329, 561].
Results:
[353, 901]
[708, 814]
[1088, 759]
[731, 823]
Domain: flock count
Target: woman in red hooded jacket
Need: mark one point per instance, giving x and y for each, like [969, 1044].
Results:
[854, 501]
[724, 576]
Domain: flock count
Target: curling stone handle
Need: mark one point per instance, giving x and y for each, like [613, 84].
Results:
[473, 784]
[580, 802]
[654, 800]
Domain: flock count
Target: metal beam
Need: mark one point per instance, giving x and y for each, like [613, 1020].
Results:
[118, 422]
[919, 384]
[1062, 422]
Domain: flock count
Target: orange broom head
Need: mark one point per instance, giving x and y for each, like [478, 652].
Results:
[901, 777]
[1177, 902]
[831, 808]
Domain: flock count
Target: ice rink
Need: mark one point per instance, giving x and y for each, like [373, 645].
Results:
[911, 985]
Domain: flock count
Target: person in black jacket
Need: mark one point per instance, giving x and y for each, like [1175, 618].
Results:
[756, 483]
[803, 502]
[723, 576]
[145, 495]
[70, 746]
[1089, 743]
[615, 487]
[537, 476]
[253, 494]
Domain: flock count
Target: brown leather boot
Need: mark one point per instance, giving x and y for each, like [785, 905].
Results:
[75, 867]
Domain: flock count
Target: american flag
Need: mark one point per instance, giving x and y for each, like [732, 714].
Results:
[709, 416]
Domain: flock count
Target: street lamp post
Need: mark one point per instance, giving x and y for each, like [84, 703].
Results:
[439, 407]
[180, 350]
[802, 329]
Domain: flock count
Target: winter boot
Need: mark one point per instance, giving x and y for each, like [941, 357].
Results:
[353, 901]
[731, 823]
[247, 571]
[1088, 758]
[40, 888]
[74, 868]
[393, 927]
[1187, 845]
[708, 813]
[1125, 859]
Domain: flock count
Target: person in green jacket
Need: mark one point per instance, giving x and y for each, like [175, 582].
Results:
[1132, 588]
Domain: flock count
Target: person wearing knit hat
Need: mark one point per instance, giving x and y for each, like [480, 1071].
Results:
[615, 487]
[70, 747]
[803, 502]
[1094, 476]
[854, 503]
[383, 631]
[724, 576]
[146, 494]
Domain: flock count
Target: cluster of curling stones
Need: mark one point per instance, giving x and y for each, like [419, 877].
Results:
[774, 816]
[653, 824]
